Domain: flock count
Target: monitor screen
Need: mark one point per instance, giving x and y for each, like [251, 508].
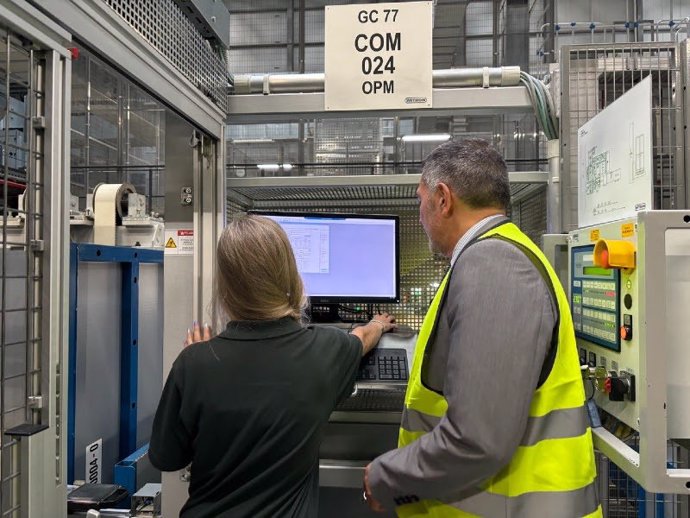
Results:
[344, 257]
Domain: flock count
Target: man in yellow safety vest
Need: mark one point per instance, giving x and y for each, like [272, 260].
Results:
[495, 422]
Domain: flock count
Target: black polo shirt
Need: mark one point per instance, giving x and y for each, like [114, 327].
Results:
[247, 409]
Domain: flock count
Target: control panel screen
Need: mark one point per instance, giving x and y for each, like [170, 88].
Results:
[595, 299]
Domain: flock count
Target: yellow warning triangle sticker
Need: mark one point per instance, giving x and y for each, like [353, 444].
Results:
[170, 243]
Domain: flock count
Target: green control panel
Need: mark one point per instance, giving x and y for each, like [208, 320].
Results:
[594, 299]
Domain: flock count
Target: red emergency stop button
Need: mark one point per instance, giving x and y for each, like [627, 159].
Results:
[607, 385]
[626, 328]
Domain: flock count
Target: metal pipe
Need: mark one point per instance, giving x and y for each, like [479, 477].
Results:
[468, 77]
[301, 15]
[553, 190]
[450, 78]
[637, 13]
[278, 83]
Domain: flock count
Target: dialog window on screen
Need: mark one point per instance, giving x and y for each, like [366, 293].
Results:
[344, 257]
[310, 245]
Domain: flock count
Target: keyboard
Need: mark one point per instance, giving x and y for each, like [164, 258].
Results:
[373, 400]
[383, 365]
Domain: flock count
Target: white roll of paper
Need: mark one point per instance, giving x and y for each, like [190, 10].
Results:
[107, 206]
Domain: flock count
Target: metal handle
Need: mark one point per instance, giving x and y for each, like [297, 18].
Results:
[341, 473]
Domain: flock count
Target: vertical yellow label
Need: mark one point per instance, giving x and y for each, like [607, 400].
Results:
[594, 235]
[628, 230]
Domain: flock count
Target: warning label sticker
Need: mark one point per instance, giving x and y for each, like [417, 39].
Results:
[179, 242]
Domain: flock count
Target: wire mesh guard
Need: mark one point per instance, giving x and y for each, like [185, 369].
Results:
[593, 76]
[371, 145]
[622, 497]
[21, 184]
[420, 271]
[163, 24]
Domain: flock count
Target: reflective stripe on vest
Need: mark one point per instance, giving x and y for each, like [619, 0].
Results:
[420, 510]
[565, 422]
[560, 504]
[553, 467]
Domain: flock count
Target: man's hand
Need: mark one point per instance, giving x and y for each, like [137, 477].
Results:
[195, 334]
[374, 504]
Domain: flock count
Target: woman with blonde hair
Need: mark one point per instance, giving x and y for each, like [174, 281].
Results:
[247, 408]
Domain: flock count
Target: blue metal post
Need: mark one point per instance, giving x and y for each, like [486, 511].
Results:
[129, 358]
[125, 471]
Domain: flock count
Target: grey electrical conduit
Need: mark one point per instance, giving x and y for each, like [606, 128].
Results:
[449, 78]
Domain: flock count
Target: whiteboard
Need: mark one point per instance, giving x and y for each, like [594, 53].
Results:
[614, 159]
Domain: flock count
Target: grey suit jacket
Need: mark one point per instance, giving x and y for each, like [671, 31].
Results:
[494, 332]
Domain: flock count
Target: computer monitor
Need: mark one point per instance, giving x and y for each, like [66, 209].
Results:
[344, 257]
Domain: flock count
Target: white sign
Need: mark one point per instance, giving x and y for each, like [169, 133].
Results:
[378, 56]
[93, 466]
[615, 177]
[179, 242]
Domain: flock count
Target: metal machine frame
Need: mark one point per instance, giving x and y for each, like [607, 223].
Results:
[39, 467]
[38, 481]
[130, 260]
[583, 95]
[275, 107]
[649, 466]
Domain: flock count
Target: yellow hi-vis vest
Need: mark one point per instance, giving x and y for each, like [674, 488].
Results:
[552, 473]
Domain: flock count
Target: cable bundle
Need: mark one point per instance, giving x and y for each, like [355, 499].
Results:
[543, 105]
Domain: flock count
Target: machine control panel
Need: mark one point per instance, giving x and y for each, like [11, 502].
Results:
[595, 300]
[604, 306]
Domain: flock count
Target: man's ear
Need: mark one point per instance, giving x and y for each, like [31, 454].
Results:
[445, 201]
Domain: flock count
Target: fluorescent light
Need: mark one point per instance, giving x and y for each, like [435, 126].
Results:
[269, 167]
[273, 168]
[431, 137]
[252, 141]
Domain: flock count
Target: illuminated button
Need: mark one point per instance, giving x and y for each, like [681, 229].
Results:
[603, 259]
[627, 328]
[614, 254]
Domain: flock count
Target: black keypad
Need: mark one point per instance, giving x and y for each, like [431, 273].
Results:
[384, 365]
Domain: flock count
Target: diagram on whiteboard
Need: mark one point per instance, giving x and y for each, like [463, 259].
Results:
[614, 166]
[598, 173]
[637, 154]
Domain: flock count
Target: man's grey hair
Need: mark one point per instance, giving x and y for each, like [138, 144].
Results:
[473, 169]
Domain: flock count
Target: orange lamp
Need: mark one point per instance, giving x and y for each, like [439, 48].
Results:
[613, 253]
